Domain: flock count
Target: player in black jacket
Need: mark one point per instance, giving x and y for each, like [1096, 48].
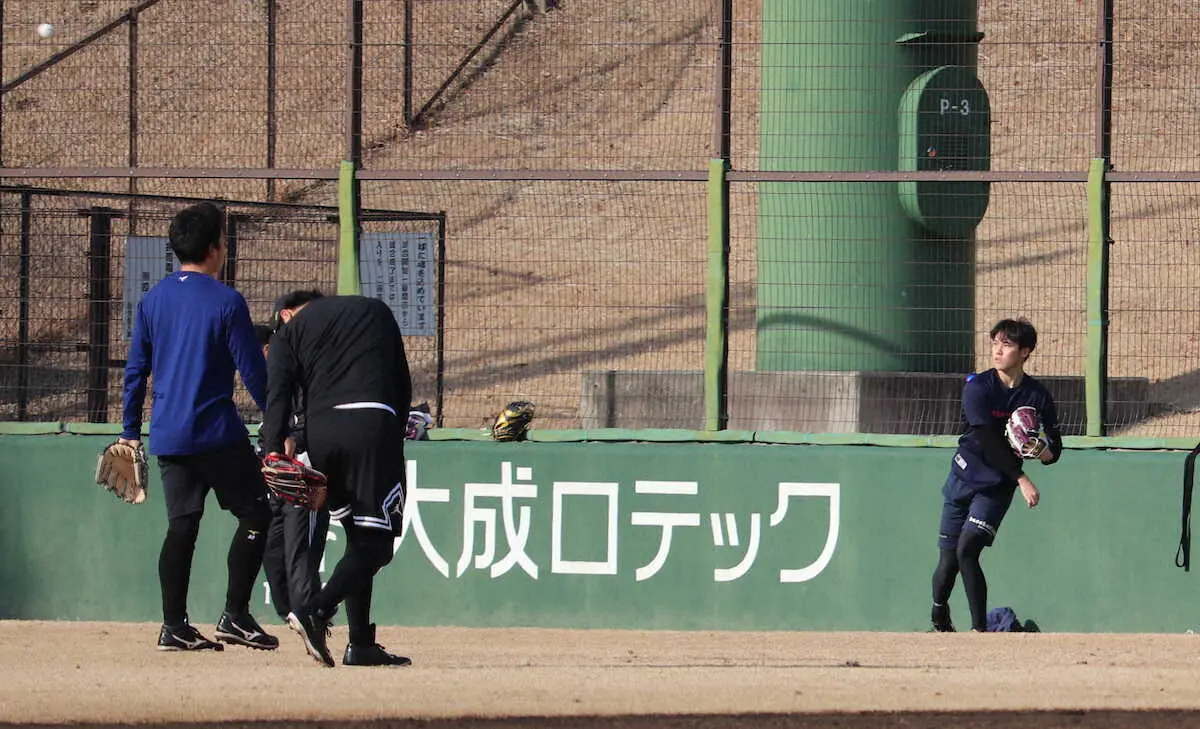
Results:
[986, 472]
[347, 356]
[296, 536]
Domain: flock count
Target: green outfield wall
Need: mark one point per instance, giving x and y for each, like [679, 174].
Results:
[628, 535]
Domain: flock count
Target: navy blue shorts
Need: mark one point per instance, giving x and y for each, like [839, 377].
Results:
[968, 506]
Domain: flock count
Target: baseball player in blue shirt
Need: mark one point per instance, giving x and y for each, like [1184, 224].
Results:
[986, 472]
[190, 334]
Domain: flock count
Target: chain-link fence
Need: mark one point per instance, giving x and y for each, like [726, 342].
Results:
[82, 261]
[891, 178]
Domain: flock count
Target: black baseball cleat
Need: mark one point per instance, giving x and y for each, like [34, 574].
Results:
[939, 615]
[244, 630]
[184, 638]
[314, 631]
[372, 655]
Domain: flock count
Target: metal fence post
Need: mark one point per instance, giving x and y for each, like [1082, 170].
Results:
[229, 271]
[716, 356]
[23, 308]
[99, 310]
[349, 201]
[440, 364]
[271, 121]
[1099, 192]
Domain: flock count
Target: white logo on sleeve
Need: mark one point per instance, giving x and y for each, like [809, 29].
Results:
[962, 462]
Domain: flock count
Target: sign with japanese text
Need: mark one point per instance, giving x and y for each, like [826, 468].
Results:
[398, 269]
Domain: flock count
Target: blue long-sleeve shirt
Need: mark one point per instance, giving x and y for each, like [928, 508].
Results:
[191, 333]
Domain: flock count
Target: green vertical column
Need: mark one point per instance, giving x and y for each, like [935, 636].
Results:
[867, 275]
[349, 281]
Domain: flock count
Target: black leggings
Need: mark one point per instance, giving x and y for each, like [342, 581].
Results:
[353, 579]
[965, 559]
[244, 561]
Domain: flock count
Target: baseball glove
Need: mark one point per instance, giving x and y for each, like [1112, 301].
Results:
[419, 423]
[513, 421]
[1024, 432]
[123, 469]
[294, 482]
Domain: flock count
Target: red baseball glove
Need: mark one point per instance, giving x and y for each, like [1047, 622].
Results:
[1024, 432]
[294, 482]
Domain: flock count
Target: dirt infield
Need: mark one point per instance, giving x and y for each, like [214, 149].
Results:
[110, 674]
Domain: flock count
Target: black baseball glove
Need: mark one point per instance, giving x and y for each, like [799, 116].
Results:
[513, 421]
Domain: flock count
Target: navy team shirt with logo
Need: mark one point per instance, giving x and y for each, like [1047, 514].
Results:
[986, 400]
[192, 332]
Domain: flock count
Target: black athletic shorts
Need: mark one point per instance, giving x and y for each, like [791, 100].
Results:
[232, 471]
[361, 451]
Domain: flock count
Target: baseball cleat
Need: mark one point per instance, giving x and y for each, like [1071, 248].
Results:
[184, 638]
[939, 615]
[315, 633]
[244, 630]
[372, 655]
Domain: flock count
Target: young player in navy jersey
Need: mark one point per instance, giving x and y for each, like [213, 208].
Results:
[986, 472]
[191, 333]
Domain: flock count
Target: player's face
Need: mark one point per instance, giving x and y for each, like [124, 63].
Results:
[1006, 355]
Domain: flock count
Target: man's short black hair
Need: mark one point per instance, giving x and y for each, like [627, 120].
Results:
[195, 230]
[291, 300]
[1019, 331]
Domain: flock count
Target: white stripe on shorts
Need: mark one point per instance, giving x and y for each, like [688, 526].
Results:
[365, 406]
[374, 522]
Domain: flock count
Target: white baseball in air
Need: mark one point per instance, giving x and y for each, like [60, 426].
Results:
[45, 30]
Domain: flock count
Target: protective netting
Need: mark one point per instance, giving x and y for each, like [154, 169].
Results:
[544, 164]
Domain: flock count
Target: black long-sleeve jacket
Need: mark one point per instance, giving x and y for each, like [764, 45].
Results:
[336, 350]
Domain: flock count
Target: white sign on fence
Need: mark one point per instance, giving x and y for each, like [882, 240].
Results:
[148, 258]
[398, 268]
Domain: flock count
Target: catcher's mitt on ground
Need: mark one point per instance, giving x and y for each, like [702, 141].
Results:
[294, 482]
[513, 421]
[1024, 432]
[122, 469]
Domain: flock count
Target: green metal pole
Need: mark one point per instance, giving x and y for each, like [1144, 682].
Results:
[1096, 365]
[347, 260]
[716, 340]
[1099, 220]
[716, 335]
[349, 205]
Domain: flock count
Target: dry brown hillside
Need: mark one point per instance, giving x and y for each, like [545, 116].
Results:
[549, 278]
